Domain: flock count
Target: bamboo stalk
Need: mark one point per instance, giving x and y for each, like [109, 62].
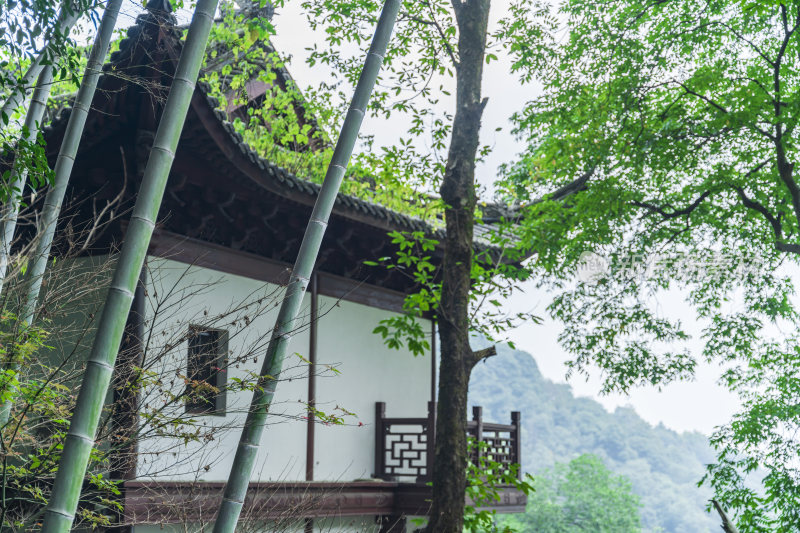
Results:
[63, 169]
[43, 74]
[19, 175]
[66, 156]
[60, 511]
[244, 460]
[68, 16]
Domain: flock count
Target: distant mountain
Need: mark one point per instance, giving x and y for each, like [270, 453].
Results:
[664, 466]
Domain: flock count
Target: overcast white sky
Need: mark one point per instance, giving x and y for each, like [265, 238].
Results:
[699, 405]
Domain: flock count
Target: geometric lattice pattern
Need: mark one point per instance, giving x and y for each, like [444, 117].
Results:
[406, 451]
[499, 442]
[404, 446]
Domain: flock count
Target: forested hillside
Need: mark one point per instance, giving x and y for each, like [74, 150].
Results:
[663, 466]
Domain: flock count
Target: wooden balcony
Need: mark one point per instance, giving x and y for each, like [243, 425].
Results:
[404, 446]
[403, 465]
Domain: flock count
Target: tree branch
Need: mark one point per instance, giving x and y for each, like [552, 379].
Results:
[482, 355]
[777, 227]
[675, 213]
[704, 98]
[721, 108]
[727, 525]
[751, 43]
[774, 222]
[785, 169]
[575, 186]
[433, 22]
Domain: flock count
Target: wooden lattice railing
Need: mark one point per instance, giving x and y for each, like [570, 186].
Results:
[404, 446]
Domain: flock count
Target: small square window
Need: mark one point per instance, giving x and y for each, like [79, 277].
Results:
[207, 371]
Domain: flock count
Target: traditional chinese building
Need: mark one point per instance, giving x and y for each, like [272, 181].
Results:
[229, 229]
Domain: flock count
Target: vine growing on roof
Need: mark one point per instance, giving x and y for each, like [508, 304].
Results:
[291, 126]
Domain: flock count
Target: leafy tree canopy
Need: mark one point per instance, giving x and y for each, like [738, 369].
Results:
[577, 497]
[674, 126]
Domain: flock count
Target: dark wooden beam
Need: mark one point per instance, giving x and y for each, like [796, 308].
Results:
[151, 502]
[433, 360]
[223, 259]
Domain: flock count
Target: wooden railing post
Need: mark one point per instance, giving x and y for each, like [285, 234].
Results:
[516, 441]
[431, 441]
[380, 444]
[477, 417]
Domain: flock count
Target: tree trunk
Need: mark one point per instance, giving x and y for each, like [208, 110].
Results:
[458, 193]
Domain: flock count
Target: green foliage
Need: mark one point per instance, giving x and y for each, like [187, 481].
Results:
[418, 68]
[485, 478]
[582, 496]
[17, 348]
[32, 441]
[684, 115]
[30, 27]
[31, 444]
[27, 155]
[493, 278]
[32, 31]
[293, 127]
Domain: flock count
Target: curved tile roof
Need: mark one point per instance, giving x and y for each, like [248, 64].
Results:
[157, 17]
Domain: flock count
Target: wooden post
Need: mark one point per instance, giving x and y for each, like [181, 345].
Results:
[380, 445]
[433, 359]
[312, 379]
[308, 526]
[516, 441]
[431, 441]
[477, 417]
[127, 396]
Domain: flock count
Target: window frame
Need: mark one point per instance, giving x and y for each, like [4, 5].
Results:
[216, 405]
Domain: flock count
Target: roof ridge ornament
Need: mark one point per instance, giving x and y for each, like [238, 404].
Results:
[158, 19]
[160, 11]
[159, 6]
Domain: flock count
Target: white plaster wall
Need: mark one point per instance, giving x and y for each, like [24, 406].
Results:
[368, 372]
[180, 295]
[365, 372]
[73, 294]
